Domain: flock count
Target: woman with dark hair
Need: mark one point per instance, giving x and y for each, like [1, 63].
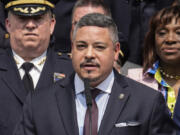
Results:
[161, 66]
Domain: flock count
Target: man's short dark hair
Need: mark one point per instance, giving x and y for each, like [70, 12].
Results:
[99, 20]
[92, 3]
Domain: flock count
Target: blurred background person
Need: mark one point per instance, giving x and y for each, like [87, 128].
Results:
[63, 13]
[83, 7]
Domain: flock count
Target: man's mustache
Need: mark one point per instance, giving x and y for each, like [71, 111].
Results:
[89, 62]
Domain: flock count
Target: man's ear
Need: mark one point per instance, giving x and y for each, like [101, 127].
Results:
[53, 23]
[8, 24]
[116, 49]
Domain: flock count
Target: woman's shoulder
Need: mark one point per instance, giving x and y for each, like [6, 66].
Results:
[138, 75]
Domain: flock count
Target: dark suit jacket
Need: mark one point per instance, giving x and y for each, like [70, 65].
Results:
[53, 112]
[176, 116]
[12, 92]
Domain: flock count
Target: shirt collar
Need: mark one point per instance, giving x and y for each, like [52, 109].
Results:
[155, 71]
[38, 62]
[105, 86]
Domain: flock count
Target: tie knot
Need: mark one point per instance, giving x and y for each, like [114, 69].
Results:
[27, 66]
[95, 92]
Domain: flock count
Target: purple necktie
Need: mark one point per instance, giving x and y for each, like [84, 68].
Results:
[94, 115]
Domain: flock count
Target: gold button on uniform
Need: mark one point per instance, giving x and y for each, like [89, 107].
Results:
[121, 96]
[6, 35]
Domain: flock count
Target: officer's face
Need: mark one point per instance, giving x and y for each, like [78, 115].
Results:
[82, 11]
[93, 53]
[30, 33]
[167, 40]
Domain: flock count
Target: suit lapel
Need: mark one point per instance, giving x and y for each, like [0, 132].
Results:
[11, 76]
[176, 116]
[66, 105]
[46, 77]
[118, 98]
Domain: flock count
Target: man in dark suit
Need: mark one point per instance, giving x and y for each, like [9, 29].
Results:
[121, 106]
[30, 25]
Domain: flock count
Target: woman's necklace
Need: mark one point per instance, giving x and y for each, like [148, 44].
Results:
[177, 77]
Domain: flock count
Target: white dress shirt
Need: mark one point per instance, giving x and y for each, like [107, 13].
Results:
[101, 99]
[35, 71]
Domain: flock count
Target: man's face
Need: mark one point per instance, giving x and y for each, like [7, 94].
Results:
[82, 11]
[31, 33]
[167, 40]
[93, 53]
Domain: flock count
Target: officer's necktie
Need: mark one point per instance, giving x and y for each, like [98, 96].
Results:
[94, 115]
[27, 80]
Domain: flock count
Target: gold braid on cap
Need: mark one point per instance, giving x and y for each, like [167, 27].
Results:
[19, 2]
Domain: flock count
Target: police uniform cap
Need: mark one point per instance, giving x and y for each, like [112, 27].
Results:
[29, 7]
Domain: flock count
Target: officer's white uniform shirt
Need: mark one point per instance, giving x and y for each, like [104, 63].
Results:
[35, 71]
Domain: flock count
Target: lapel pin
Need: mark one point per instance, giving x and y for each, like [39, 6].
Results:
[121, 96]
[58, 76]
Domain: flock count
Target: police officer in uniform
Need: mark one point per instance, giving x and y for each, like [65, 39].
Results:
[30, 62]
